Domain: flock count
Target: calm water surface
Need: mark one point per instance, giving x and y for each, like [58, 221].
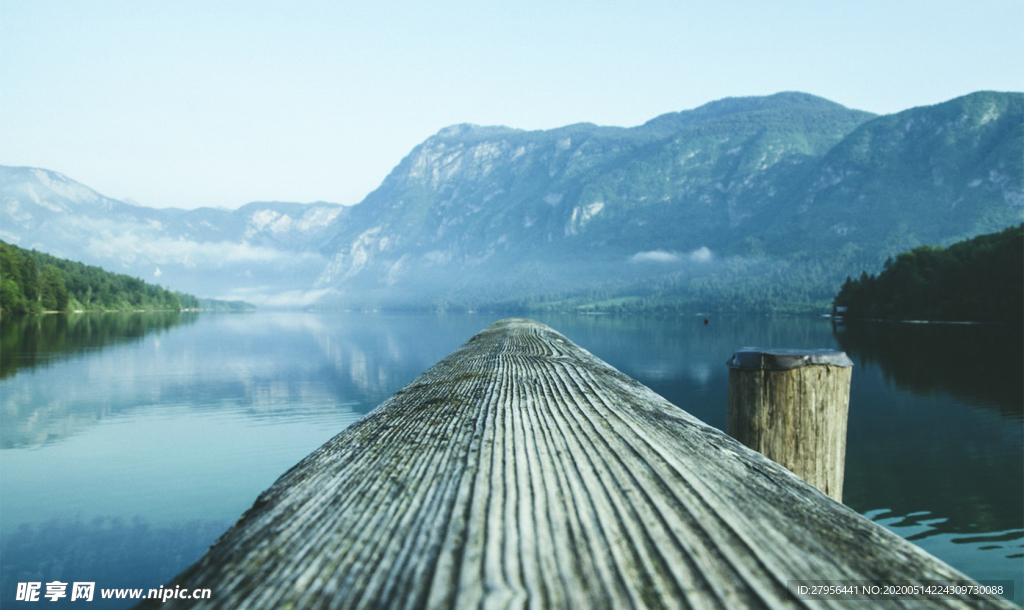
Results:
[129, 442]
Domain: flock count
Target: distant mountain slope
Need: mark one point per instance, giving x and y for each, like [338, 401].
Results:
[262, 250]
[469, 190]
[744, 204]
[747, 203]
[930, 175]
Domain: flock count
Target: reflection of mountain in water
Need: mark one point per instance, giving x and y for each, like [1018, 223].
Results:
[29, 341]
[979, 363]
[269, 367]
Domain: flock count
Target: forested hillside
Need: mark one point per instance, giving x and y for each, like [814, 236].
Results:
[981, 279]
[33, 282]
[742, 205]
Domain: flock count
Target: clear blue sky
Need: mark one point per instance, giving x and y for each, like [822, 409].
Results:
[218, 102]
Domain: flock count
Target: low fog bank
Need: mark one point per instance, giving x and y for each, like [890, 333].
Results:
[684, 282]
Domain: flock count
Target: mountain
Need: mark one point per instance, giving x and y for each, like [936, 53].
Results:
[744, 204]
[747, 203]
[933, 175]
[264, 251]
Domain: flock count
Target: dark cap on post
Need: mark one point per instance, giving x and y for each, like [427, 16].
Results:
[756, 359]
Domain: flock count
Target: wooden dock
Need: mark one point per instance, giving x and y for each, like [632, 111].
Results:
[522, 471]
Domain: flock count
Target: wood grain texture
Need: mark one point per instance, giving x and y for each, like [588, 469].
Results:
[521, 471]
[795, 417]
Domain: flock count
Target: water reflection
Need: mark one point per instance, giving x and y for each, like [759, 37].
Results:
[997, 555]
[289, 365]
[934, 446]
[29, 341]
[980, 363]
[951, 439]
[267, 366]
[187, 419]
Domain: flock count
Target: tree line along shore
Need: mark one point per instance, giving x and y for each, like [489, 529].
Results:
[32, 282]
[976, 280]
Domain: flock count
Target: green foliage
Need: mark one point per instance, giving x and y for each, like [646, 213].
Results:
[33, 282]
[981, 279]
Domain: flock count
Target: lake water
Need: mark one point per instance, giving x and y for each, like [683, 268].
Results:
[130, 442]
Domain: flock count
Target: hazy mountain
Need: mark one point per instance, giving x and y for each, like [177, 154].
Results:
[763, 203]
[932, 175]
[748, 203]
[266, 251]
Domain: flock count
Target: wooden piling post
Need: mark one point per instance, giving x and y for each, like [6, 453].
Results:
[791, 406]
[522, 471]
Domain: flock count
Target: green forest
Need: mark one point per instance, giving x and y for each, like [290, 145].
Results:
[33, 282]
[980, 279]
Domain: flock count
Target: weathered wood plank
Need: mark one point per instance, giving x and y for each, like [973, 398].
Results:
[791, 406]
[523, 471]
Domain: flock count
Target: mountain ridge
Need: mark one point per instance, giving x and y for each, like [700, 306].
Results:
[755, 177]
[208, 251]
[756, 203]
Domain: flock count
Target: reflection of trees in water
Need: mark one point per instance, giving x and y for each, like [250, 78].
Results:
[935, 428]
[29, 341]
[110, 551]
[55, 411]
[274, 366]
[981, 363]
